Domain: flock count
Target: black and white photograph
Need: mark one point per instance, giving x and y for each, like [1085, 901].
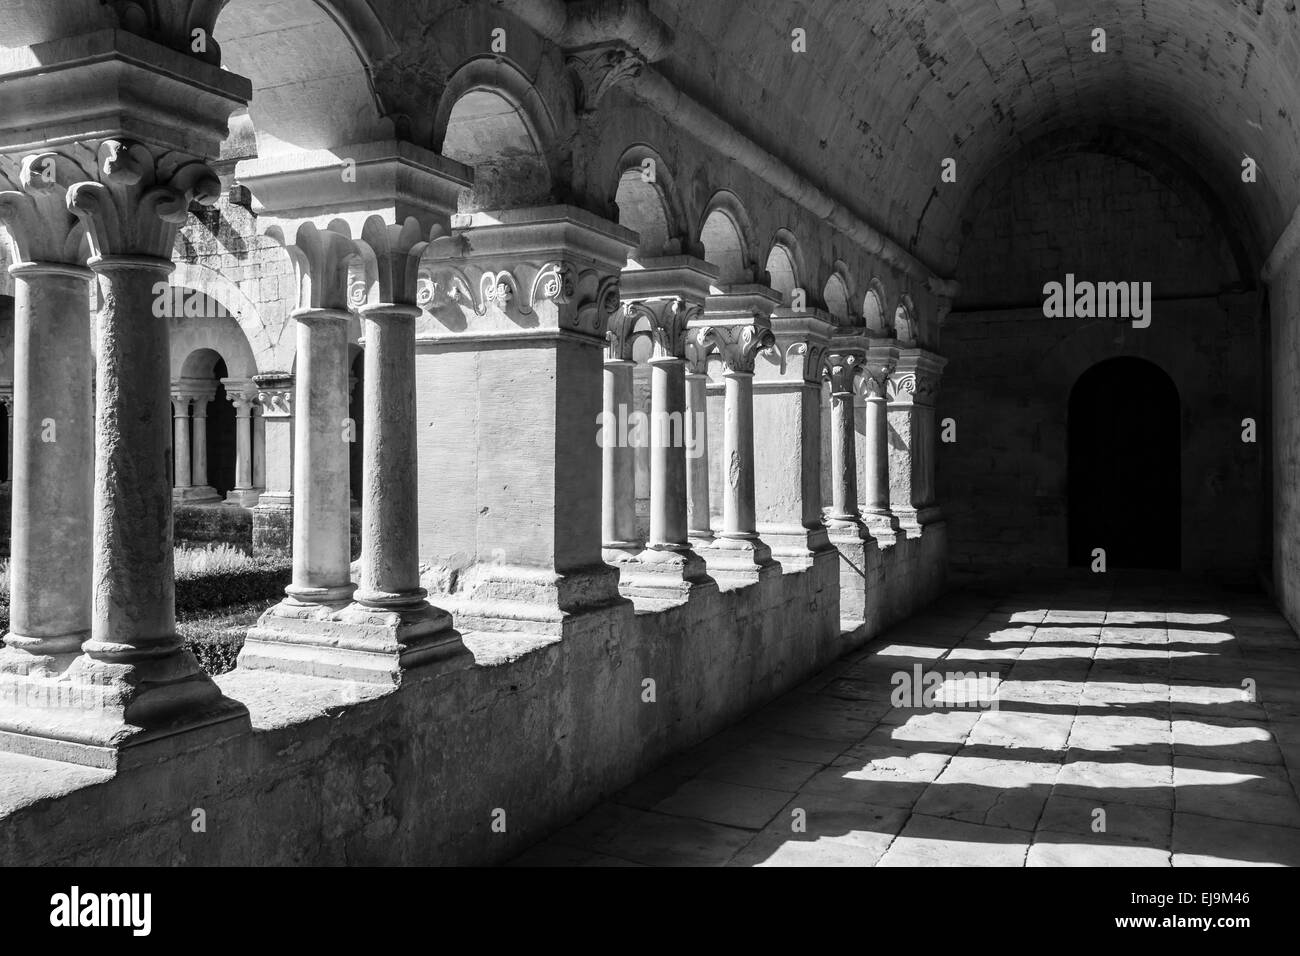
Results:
[520, 434]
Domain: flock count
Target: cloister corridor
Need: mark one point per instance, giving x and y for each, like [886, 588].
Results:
[483, 433]
[1126, 697]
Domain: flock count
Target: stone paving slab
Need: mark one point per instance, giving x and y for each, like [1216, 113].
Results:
[1128, 726]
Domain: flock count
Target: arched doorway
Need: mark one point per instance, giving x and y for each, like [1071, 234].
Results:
[1125, 476]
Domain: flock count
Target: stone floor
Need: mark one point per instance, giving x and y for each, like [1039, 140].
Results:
[1121, 732]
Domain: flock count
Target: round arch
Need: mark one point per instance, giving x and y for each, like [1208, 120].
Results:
[645, 197]
[492, 118]
[875, 310]
[784, 265]
[310, 63]
[724, 236]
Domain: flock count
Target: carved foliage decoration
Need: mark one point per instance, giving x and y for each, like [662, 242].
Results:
[842, 370]
[33, 203]
[140, 198]
[583, 298]
[737, 346]
[596, 71]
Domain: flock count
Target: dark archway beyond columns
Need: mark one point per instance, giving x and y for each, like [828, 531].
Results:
[1125, 475]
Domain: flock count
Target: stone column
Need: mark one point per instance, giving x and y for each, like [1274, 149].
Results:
[199, 470]
[134, 695]
[243, 396]
[619, 539]
[322, 499]
[273, 515]
[843, 369]
[181, 441]
[698, 519]
[668, 567]
[739, 328]
[879, 519]
[912, 390]
[50, 563]
[389, 627]
[788, 439]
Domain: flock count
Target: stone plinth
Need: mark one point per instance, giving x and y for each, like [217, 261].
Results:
[509, 367]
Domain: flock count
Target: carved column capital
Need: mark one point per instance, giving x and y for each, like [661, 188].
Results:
[915, 378]
[696, 351]
[668, 317]
[389, 272]
[843, 367]
[34, 209]
[596, 70]
[574, 298]
[139, 198]
[181, 403]
[738, 346]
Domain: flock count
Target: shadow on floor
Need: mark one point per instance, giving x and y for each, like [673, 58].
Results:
[1149, 720]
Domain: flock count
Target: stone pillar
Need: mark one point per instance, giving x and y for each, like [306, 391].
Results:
[243, 395]
[788, 439]
[739, 327]
[389, 627]
[50, 562]
[861, 573]
[273, 515]
[259, 446]
[912, 390]
[665, 296]
[698, 519]
[190, 442]
[511, 531]
[181, 441]
[322, 499]
[843, 369]
[199, 461]
[619, 539]
[877, 515]
[134, 694]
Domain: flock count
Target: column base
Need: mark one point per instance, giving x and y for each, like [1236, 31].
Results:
[620, 552]
[744, 558]
[197, 494]
[355, 643]
[245, 497]
[912, 520]
[665, 574]
[112, 715]
[512, 598]
[796, 549]
[859, 574]
[883, 526]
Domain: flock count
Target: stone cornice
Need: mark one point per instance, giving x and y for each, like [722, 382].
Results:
[393, 179]
[915, 379]
[801, 340]
[111, 84]
[555, 267]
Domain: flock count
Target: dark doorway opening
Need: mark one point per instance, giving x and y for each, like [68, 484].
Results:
[356, 411]
[1125, 447]
[221, 436]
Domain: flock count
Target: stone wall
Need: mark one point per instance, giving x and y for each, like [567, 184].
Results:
[1002, 484]
[539, 728]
